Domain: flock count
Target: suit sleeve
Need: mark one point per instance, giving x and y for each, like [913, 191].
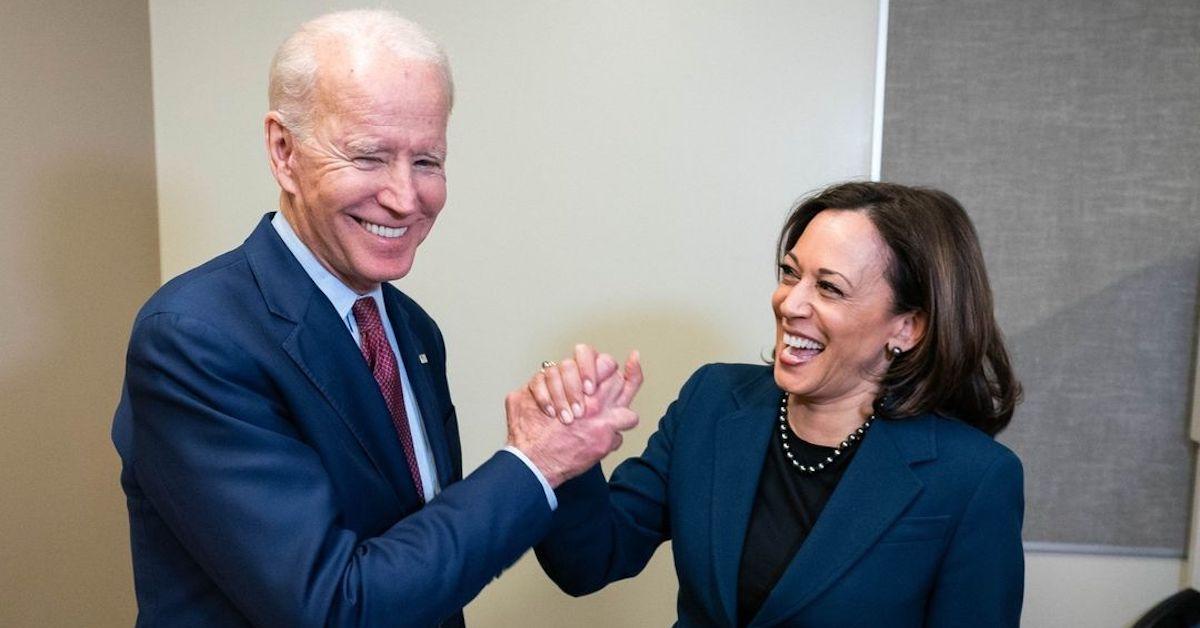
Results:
[982, 577]
[606, 531]
[219, 459]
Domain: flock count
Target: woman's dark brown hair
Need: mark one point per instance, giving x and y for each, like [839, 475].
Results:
[960, 367]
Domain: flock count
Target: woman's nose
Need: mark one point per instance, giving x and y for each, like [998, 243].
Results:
[798, 302]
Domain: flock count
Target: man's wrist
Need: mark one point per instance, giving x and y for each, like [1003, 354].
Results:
[551, 499]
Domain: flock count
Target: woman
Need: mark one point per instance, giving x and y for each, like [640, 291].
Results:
[855, 481]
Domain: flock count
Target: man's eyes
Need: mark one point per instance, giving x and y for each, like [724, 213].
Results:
[375, 160]
[431, 162]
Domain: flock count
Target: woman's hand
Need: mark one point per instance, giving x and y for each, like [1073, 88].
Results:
[585, 385]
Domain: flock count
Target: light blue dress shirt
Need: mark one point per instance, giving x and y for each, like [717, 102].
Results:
[342, 298]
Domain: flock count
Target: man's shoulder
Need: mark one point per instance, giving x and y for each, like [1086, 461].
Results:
[207, 291]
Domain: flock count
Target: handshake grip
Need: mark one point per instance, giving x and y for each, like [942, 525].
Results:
[563, 449]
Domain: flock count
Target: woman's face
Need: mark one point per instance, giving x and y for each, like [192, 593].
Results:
[833, 312]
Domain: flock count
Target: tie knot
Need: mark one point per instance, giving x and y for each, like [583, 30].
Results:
[366, 314]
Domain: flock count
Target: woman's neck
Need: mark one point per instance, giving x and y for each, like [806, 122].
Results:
[827, 423]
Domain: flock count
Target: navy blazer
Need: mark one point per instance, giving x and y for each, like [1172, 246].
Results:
[924, 527]
[264, 479]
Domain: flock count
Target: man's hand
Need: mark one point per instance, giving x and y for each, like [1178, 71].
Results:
[563, 449]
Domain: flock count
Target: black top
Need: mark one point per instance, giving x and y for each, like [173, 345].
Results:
[786, 507]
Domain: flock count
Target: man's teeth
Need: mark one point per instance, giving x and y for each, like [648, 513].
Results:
[380, 230]
[798, 342]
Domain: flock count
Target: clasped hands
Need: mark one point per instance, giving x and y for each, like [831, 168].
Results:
[571, 414]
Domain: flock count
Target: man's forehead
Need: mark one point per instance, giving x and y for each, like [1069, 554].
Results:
[349, 77]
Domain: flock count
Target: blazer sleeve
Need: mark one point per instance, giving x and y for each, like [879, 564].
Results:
[606, 531]
[982, 578]
[253, 504]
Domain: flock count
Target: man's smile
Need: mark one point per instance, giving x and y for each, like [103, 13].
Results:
[382, 231]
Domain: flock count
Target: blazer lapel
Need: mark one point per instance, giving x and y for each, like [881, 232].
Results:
[740, 437]
[875, 490]
[411, 351]
[325, 352]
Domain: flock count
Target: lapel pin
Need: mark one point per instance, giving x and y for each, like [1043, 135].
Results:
[424, 360]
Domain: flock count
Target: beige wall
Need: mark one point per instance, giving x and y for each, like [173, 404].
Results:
[78, 255]
[618, 172]
[614, 182]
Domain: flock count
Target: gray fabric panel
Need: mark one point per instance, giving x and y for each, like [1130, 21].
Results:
[1071, 132]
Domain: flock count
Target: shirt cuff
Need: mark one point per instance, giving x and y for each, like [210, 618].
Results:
[537, 474]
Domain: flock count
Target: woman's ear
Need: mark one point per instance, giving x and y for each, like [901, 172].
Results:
[281, 149]
[911, 329]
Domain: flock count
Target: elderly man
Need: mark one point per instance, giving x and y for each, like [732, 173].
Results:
[291, 455]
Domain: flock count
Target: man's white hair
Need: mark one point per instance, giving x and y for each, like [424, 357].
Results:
[296, 64]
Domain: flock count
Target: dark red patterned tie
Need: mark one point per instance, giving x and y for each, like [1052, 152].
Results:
[378, 352]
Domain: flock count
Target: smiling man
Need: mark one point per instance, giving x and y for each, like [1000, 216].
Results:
[291, 453]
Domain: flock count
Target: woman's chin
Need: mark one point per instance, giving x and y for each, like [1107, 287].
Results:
[788, 379]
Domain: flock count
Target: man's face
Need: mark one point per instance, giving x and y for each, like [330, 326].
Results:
[368, 181]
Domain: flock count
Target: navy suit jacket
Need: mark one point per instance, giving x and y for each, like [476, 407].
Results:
[264, 479]
[924, 527]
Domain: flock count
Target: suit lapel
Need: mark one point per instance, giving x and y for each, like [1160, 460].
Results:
[411, 351]
[324, 349]
[740, 444]
[325, 352]
[875, 490]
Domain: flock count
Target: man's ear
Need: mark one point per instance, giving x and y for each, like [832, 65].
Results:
[912, 326]
[281, 152]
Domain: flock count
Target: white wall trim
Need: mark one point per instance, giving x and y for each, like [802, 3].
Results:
[880, 83]
[1101, 550]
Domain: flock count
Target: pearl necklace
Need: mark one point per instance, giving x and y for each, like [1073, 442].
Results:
[853, 438]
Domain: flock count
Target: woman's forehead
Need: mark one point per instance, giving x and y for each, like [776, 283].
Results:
[844, 238]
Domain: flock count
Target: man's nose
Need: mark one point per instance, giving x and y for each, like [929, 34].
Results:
[399, 195]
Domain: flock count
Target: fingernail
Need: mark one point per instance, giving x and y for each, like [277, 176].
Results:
[550, 410]
[566, 416]
[588, 386]
[577, 408]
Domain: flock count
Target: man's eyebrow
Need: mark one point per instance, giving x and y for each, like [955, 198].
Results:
[364, 145]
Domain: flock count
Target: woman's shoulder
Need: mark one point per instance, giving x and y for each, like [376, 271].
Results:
[952, 442]
[740, 380]
[734, 373]
[969, 447]
[958, 463]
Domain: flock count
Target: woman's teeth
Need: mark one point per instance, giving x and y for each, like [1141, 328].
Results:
[799, 342]
[380, 230]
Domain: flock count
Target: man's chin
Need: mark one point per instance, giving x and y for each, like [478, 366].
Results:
[390, 272]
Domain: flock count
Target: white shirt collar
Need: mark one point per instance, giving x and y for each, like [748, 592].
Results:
[338, 293]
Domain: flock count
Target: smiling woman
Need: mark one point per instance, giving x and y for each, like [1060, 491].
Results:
[919, 258]
[854, 481]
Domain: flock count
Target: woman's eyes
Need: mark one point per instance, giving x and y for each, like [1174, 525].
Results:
[790, 275]
[830, 288]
